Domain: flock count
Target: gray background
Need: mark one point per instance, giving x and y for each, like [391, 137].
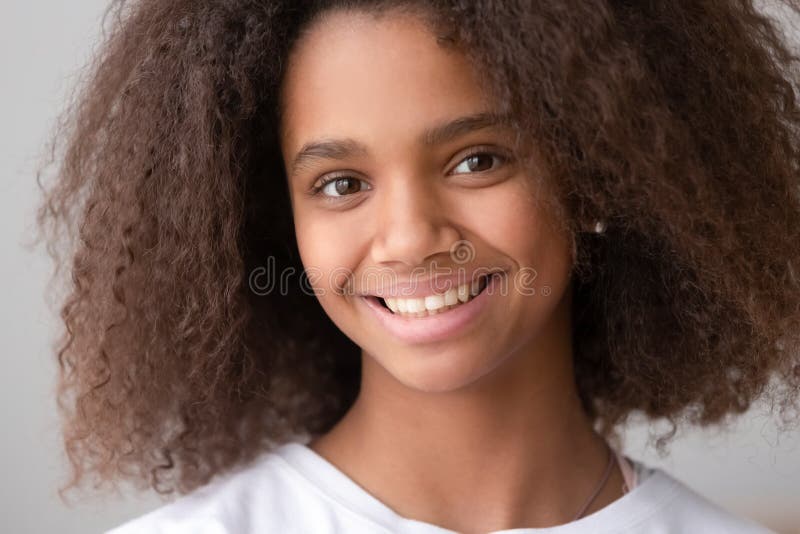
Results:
[752, 469]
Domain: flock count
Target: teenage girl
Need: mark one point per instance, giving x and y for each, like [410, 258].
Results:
[405, 266]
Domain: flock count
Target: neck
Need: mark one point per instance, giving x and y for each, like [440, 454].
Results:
[512, 449]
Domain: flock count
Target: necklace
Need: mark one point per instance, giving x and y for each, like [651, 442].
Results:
[600, 485]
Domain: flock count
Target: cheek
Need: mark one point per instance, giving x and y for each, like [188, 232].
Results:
[320, 245]
[516, 224]
[329, 252]
[510, 219]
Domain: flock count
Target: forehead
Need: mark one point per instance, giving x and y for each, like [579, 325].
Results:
[354, 73]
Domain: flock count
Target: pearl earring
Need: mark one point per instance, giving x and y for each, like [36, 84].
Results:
[600, 227]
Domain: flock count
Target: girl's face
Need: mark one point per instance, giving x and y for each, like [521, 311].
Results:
[380, 105]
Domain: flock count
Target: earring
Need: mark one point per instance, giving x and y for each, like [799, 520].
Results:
[600, 227]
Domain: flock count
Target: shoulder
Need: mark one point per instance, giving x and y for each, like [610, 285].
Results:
[675, 507]
[260, 496]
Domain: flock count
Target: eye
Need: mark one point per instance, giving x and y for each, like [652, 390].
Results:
[480, 160]
[339, 186]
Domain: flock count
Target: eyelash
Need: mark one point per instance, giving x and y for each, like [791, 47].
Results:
[477, 151]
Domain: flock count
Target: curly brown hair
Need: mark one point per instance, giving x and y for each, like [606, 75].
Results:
[674, 122]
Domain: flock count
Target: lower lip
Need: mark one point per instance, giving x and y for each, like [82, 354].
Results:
[437, 327]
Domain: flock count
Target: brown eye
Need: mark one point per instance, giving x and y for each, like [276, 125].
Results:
[479, 162]
[345, 185]
[339, 186]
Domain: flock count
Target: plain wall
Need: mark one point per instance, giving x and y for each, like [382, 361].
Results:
[751, 470]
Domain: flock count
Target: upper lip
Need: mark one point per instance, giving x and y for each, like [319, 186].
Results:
[437, 285]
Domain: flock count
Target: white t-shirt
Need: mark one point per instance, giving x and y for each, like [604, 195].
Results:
[293, 490]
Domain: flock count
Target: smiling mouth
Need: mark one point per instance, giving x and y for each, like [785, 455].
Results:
[438, 303]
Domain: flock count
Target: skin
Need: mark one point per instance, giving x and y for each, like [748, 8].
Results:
[483, 431]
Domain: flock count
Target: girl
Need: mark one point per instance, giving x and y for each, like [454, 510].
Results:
[517, 223]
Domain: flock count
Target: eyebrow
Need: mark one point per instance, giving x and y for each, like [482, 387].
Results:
[344, 148]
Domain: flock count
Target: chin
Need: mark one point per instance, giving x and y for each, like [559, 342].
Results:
[438, 373]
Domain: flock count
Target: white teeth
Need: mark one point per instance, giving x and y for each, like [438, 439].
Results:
[415, 305]
[450, 298]
[463, 293]
[476, 286]
[434, 303]
[401, 305]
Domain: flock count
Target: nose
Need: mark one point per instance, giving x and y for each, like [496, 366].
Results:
[413, 223]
